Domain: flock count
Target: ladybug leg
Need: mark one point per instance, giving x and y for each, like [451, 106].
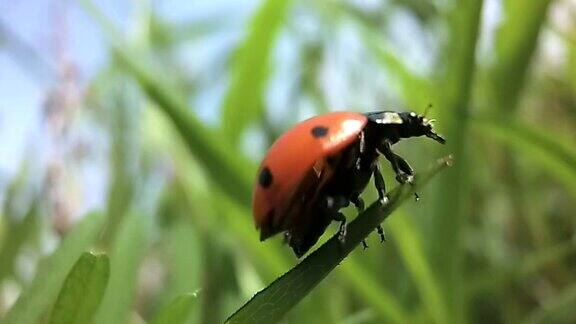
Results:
[362, 149]
[339, 217]
[358, 202]
[380, 185]
[403, 170]
[386, 149]
[381, 233]
[407, 169]
[332, 206]
[287, 237]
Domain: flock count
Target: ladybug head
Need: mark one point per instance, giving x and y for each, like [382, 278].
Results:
[420, 125]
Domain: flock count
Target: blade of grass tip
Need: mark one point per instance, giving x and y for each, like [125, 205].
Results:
[127, 252]
[177, 311]
[243, 102]
[228, 168]
[516, 42]
[82, 291]
[547, 149]
[450, 206]
[270, 304]
[559, 309]
[412, 253]
[52, 272]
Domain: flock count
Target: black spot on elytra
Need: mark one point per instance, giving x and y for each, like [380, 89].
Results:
[265, 177]
[319, 131]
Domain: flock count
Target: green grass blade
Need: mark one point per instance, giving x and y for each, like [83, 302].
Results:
[189, 180]
[127, 253]
[177, 311]
[52, 272]
[412, 252]
[270, 304]
[124, 148]
[382, 300]
[243, 102]
[529, 266]
[449, 217]
[82, 291]
[516, 42]
[14, 236]
[229, 169]
[416, 90]
[546, 148]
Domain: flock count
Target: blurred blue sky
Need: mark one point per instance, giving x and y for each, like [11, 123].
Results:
[56, 29]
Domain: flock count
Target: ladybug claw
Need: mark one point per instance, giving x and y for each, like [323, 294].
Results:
[364, 245]
[384, 200]
[342, 233]
[381, 233]
[404, 178]
[286, 238]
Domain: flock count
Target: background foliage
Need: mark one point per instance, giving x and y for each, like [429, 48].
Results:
[174, 122]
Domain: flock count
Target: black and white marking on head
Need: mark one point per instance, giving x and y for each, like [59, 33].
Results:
[265, 178]
[386, 117]
[319, 131]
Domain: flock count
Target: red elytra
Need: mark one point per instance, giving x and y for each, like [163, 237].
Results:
[296, 156]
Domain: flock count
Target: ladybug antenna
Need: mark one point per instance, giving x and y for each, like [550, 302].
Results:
[427, 109]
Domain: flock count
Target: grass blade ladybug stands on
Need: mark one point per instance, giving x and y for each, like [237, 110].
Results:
[270, 304]
[322, 165]
[310, 173]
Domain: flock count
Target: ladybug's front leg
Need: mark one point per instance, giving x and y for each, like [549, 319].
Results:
[403, 170]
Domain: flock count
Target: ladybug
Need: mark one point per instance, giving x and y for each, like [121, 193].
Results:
[322, 165]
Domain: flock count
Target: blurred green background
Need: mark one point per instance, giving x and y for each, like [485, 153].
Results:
[133, 129]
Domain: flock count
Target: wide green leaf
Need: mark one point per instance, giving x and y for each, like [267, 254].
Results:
[52, 272]
[270, 304]
[82, 291]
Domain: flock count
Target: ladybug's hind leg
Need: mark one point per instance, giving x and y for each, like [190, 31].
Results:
[339, 217]
[359, 204]
[380, 185]
[332, 206]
